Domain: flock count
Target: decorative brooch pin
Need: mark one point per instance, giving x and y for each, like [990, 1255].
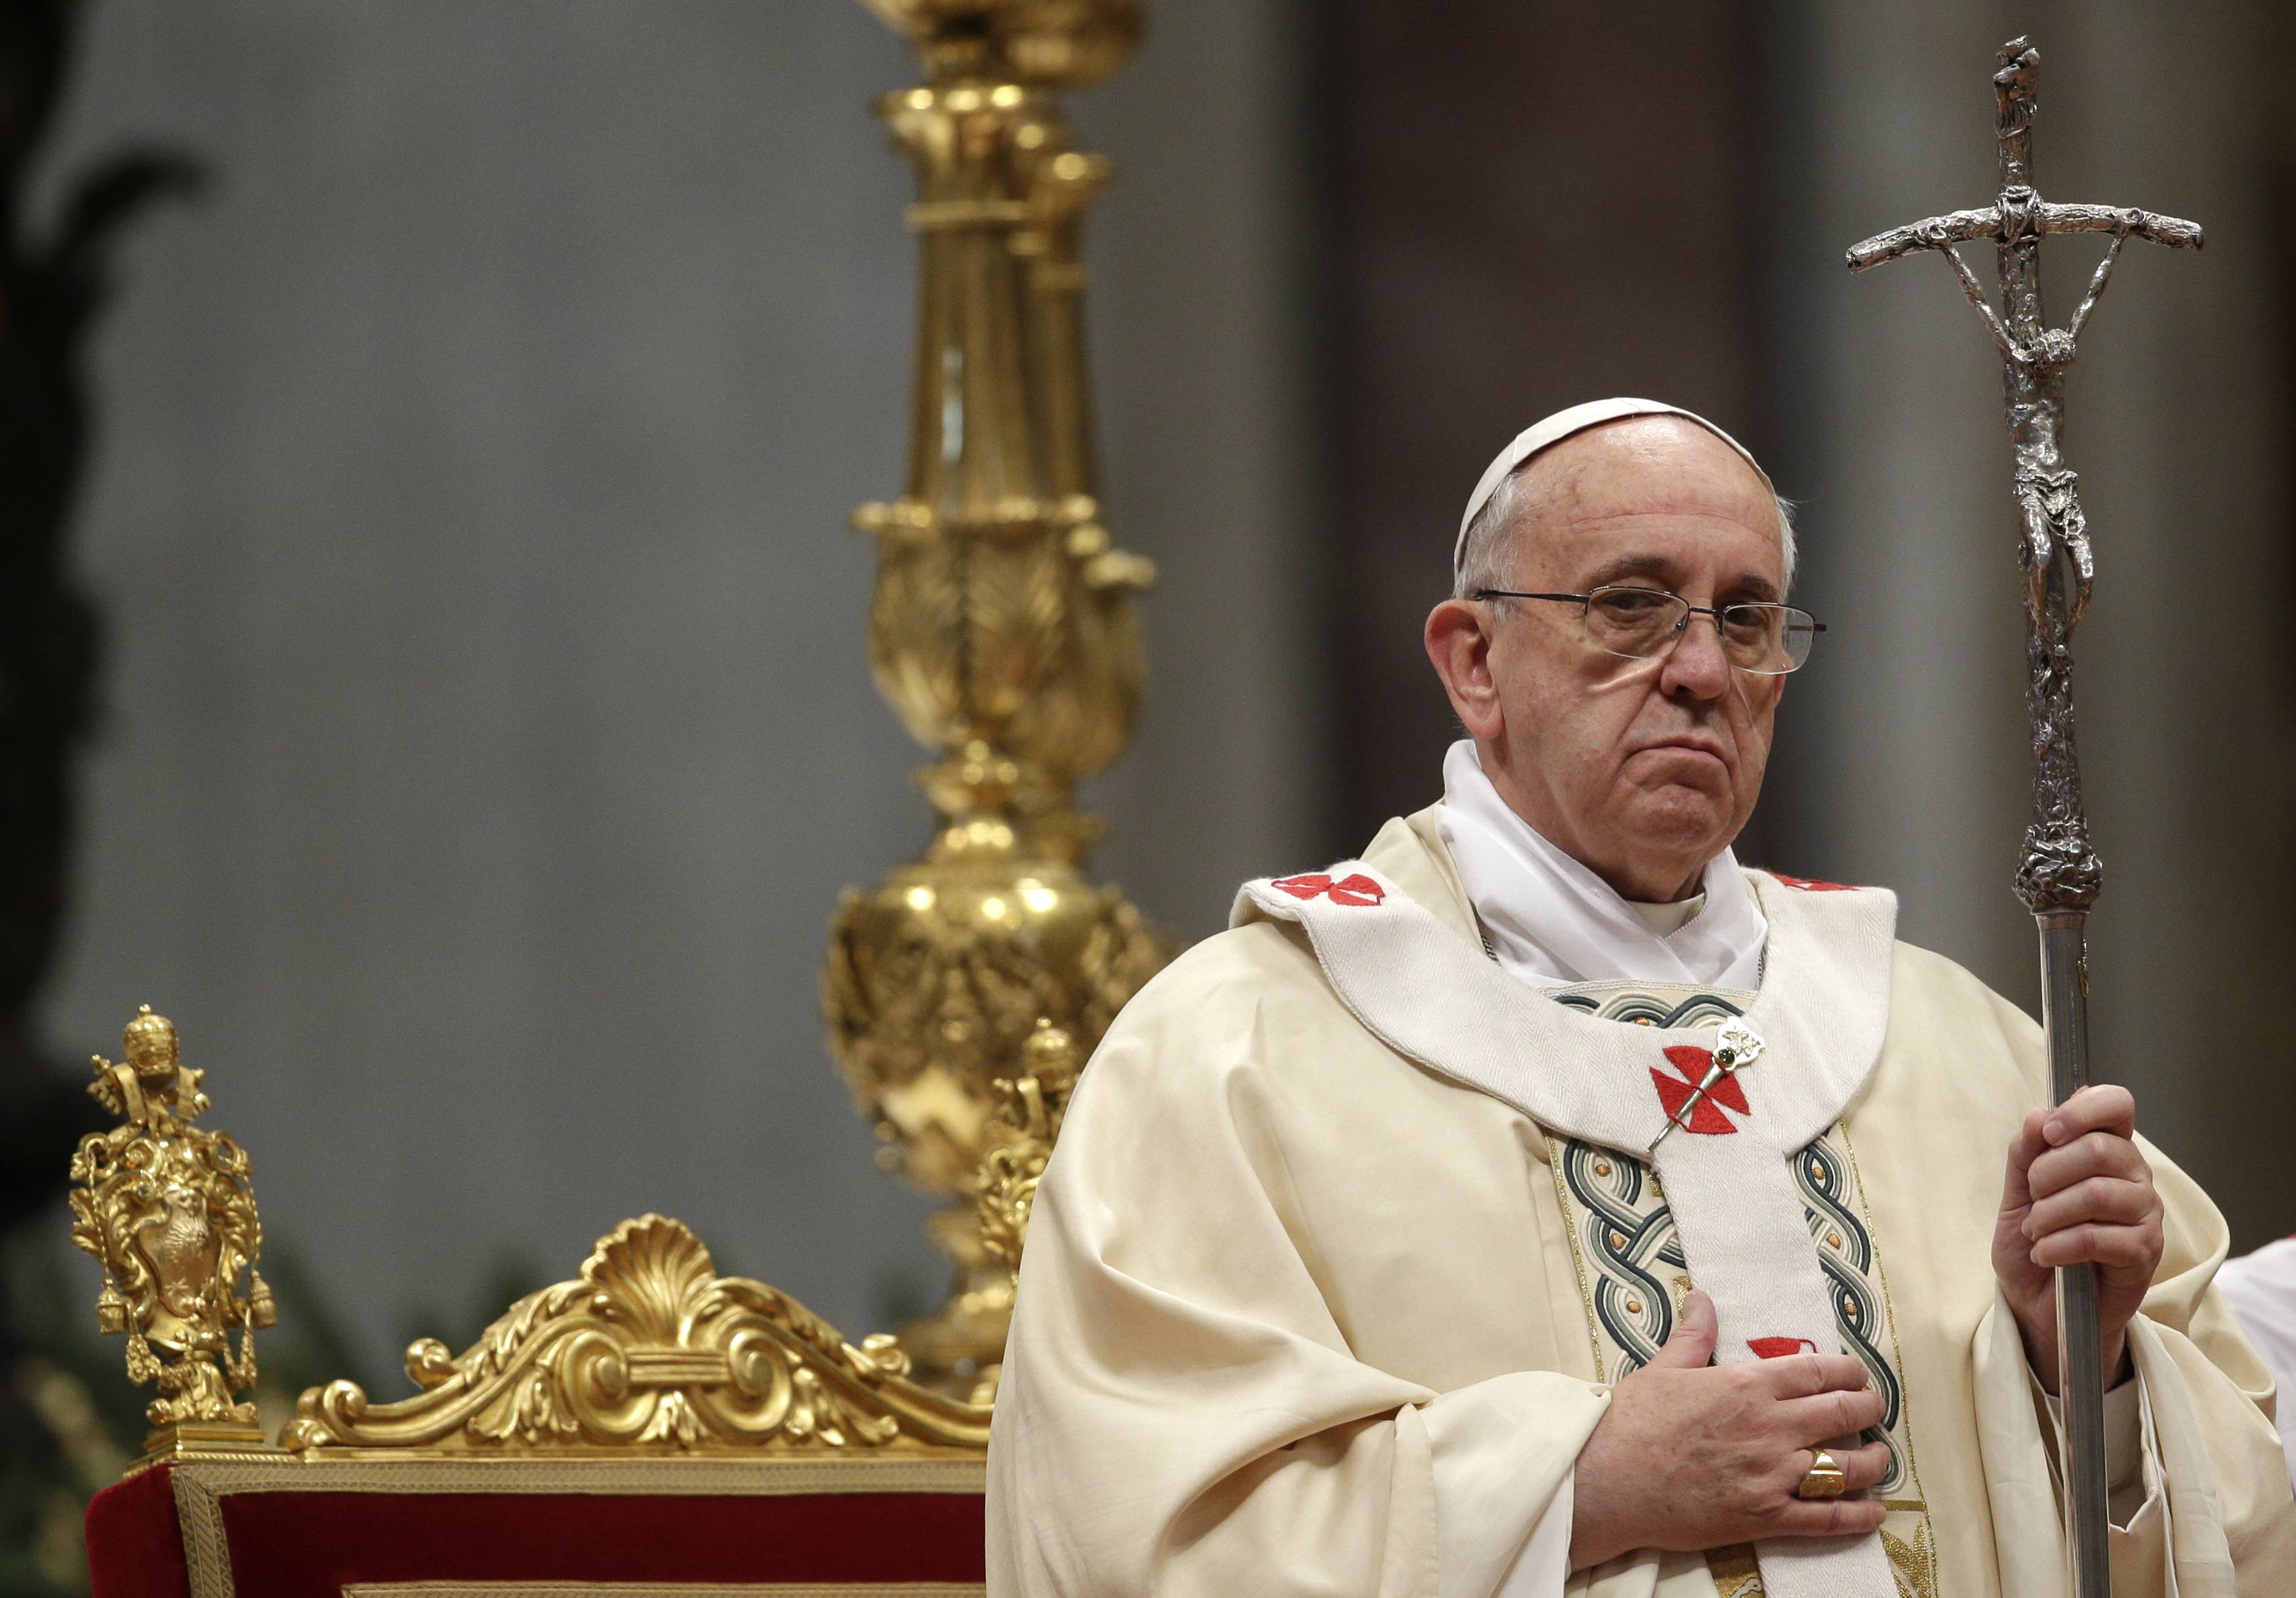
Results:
[1736, 1047]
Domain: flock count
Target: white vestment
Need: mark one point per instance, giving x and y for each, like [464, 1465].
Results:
[2261, 1289]
[1347, 1232]
[1551, 922]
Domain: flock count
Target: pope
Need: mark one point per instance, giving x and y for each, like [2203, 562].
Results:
[1546, 1203]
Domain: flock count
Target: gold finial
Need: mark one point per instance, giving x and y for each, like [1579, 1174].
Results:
[150, 1041]
[167, 1207]
[1050, 1054]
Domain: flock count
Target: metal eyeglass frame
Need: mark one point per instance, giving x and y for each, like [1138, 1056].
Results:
[1584, 601]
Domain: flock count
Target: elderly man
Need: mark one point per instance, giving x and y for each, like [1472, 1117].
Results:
[1544, 1202]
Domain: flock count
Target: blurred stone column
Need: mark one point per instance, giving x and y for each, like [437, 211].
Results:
[1906, 761]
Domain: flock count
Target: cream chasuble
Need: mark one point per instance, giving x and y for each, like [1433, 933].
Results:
[1347, 1231]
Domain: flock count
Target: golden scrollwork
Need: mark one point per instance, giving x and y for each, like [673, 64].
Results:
[1003, 631]
[650, 1351]
[1028, 1113]
[167, 1206]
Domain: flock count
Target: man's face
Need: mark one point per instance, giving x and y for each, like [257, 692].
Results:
[1642, 769]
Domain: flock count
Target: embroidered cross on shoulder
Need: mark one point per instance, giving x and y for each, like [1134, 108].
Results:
[1355, 890]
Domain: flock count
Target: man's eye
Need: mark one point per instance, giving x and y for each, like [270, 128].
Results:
[1632, 602]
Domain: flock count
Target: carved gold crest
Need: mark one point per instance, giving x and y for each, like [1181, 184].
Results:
[167, 1207]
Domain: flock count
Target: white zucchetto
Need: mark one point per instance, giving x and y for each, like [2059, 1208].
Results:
[1552, 430]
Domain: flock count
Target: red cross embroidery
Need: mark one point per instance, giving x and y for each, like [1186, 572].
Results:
[1356, 889]
[1779, 1348]
[1812, 885]
[1706, 1117]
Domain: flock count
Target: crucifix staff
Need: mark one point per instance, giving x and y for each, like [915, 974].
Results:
[2059, 875]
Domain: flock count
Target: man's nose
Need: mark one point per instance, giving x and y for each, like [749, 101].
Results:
[1696, 667]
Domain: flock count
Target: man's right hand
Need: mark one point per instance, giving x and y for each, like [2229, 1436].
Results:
[1691, 1456]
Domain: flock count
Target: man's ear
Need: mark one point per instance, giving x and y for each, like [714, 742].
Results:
[1459, 646]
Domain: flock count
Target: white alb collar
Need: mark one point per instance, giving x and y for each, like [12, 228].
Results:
[1551, 921]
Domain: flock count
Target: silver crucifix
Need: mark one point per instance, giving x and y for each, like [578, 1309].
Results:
[2059, 875]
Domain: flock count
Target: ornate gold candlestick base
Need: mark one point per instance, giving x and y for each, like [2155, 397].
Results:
[937, 978]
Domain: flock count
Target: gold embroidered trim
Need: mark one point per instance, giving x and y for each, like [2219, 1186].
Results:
[1889, 1311]
[1914, 1564]
[199, 1517]
[1578, 1260]
[621, 1475]
[1735, 1575]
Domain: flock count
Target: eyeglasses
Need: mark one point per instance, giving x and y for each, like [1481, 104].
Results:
[1767, 639]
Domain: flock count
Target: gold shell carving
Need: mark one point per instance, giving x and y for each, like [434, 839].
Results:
[649, 1349]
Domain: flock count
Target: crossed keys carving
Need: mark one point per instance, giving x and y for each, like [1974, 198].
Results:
[2059, 872]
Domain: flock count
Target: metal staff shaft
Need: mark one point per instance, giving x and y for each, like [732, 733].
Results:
[2059, 875]
[2080, 1332]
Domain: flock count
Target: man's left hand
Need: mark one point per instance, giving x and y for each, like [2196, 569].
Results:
[2078, 1190]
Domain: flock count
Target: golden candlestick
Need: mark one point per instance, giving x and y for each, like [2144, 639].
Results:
[1002, 632]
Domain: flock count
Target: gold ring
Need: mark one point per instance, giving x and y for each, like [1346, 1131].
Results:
[1823, 1479]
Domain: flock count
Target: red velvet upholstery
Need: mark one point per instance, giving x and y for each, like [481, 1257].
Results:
[289, 1544]
[133, 1549]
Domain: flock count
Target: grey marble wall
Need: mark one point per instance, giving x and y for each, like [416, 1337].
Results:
[488, 732]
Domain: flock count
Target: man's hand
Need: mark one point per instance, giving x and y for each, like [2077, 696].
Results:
[2078, 1189]
[1690, 1456]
